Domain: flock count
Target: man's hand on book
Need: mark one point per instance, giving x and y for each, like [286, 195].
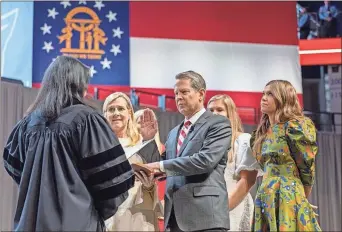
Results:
[155, 167]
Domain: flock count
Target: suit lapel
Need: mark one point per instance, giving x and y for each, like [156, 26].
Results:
[195, 128]
[175, 141]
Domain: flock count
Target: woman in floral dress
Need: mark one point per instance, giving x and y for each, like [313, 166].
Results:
[285, 146]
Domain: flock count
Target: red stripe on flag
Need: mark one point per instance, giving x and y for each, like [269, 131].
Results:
[253, 22]
[248, 103]
[103, 91]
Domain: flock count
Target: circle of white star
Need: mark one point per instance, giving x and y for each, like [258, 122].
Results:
[48, 46]
[99, 5]
[92, 71]
[106, 63]
[117, 32]
[52, 13]
[115, 49]
[111, 16]
[65, 3]
[82, 2]
[46, 29]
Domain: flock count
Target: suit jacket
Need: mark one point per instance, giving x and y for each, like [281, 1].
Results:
[195, 185]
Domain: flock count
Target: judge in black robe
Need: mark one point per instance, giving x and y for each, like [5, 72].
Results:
[70, 167]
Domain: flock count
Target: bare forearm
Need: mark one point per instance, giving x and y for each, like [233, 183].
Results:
[307, 190]
[243, 186]
[239, 193]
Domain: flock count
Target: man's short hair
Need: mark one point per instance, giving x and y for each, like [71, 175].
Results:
[196, 80]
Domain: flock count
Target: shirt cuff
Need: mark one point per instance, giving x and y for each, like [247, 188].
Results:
[161, 166]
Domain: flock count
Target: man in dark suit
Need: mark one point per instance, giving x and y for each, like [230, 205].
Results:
[196, 156]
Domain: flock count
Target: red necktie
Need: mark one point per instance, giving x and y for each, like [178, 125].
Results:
[183, 134]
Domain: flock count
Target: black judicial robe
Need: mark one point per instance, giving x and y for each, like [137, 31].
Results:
[72, 172]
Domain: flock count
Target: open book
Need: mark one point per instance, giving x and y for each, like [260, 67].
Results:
[129, 151]
[148, 151]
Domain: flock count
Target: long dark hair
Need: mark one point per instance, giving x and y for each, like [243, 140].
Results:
[65, 80]
[287, 108]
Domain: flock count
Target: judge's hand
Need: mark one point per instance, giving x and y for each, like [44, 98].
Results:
[156, 169]
[148, 124]
[147, 181]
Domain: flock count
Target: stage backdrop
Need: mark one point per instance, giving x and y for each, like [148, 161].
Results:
[145, 44]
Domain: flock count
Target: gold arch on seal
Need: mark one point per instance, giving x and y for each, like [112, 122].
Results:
[81, 9]
[90, 34]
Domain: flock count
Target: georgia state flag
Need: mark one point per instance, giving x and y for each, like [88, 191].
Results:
[94, 32]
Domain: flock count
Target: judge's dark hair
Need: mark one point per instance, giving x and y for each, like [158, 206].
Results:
[65, 80]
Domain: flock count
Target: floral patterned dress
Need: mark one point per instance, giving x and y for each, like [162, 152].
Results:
[288, 161]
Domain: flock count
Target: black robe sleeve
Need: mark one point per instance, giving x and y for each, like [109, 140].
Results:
[14, 152]
[104, 166]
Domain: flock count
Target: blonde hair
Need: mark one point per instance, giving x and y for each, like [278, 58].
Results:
[132, 129]
[287, 108]
[137, 114]
[234, 118]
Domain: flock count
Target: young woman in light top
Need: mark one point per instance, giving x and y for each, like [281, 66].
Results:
[242, 168]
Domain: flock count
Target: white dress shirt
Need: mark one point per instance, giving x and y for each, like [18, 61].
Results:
[193, 120]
